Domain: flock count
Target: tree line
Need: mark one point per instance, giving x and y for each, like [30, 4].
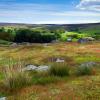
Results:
[28, 35]
[20, 35]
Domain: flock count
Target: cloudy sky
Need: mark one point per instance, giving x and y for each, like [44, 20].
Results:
[50, 11]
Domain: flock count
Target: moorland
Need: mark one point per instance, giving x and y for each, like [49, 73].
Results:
[75, 77]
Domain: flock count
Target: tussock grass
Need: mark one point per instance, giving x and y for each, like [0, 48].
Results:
[83, 70]
[15, 78]
[54, 74]
[59, 69]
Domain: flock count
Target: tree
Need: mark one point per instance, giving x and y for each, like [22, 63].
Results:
[96, 36]
[6, 36]
[22, 35]
[2, 29]
[27, 35]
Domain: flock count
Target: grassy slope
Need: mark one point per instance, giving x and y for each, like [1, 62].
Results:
[90, 29]
[72, 87]
[83, 28]
[3, 42]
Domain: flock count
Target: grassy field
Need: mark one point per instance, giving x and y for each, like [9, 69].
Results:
[92, 29]
[68, 87]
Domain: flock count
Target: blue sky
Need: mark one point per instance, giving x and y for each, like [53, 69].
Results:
[50, 11]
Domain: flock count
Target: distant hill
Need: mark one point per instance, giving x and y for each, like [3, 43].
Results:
[82, 28]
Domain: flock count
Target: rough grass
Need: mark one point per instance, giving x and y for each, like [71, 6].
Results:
[15, 78]
[83, 70]
[80, 88]
[45, 80]
[37, 54]
[59, 69]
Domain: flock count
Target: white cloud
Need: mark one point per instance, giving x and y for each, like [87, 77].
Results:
[67, 22]
[78, 14]
[45, 13]
[93, 5]
[32, 13]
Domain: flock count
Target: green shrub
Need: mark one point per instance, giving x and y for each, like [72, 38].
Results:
[59, 69]
[82, 70]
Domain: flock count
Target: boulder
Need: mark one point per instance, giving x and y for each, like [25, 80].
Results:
[85, 39]
[69, 40]
[30, 67]
[3, 98]
[43, 68]
[82, 40]
[60, 60]
[88, 64]
[55, 41]
[90, 38]
[36, 68]
[45, 44]
[14, 45]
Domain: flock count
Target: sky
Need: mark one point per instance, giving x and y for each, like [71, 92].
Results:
[50, 11]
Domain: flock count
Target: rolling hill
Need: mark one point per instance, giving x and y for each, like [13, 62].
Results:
[82, 28]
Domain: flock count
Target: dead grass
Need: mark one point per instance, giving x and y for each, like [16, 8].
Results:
[37, 54]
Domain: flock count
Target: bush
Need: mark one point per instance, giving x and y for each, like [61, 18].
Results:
[6, 36]
[83, 70]
[28, 35]
[59, 69]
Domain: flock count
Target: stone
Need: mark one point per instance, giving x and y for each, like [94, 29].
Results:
[14, 45]
[28, 44]
[30, 67]
[90, 38]
[81, 40]
[69, 40]
[36, 68]
[88, 64]
[3, 98]
[45, 44]
[43, 68]
[55, 41]
[85, 39]
[60, 60]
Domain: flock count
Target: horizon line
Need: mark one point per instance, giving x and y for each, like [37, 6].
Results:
[47, 23]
